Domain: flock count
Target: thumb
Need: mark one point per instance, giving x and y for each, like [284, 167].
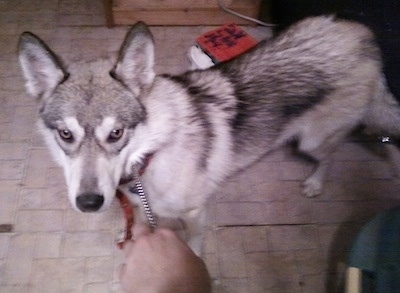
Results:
[140, 230]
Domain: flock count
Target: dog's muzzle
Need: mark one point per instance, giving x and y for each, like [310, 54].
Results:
[89, 202]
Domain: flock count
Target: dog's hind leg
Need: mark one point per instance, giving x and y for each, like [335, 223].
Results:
[322, 153]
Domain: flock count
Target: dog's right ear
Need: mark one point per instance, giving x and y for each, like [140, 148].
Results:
[40, 66]
[135, 64]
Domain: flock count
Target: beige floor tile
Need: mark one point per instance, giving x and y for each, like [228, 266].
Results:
[351, 151]
[299, 209]
[232, 191]
[277, 190]
[12, 169]
[12, 83]
[6, 114]
[357, 190]
[18, 265]
[360, 171]
[75, 221]
[8, 29]
[20, 288]
[349, 211]
[254, 239]
[38, 163]
[275, 213]
[263, 264]
[20, 133]
[271, 172]
[210, 244]
[336, 239]
[6, 47]
[23, 122]
[115, 287]
[4, 131]
[313, 283]
[39, 220]
[13, 151]
[2, 265]
[310, 261]
[31, 198]
[42, 198]
[291, 238]
[86, 244]
[240, 213]
[275, 284]
[48, 245]
[211, 261]
[230, 251]
[24, 113]
[4, 245]
[17, 271]
[293, 171]
[261, 172]
[236, 285]
[9, 198]
[97, 288]
[99, 269]
[103, 221]
[58, 273]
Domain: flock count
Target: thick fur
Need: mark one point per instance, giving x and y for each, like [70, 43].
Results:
[314, 83]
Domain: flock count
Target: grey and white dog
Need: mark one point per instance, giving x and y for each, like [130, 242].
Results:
[314, 83]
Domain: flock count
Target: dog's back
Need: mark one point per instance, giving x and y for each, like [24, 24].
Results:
[319, 61]
[314, 83]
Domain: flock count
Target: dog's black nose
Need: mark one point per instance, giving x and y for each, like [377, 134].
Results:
[89, 202]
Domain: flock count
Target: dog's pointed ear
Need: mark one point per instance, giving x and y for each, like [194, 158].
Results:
[41, 68]
[135, 64]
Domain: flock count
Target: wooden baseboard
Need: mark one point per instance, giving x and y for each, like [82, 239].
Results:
[178, 12]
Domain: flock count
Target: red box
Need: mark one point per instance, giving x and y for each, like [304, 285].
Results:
[225, 42]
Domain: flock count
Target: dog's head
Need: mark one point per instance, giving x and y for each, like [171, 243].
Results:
[90, 114]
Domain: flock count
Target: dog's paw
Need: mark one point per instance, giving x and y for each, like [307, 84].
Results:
[133, 161]
[312, 187]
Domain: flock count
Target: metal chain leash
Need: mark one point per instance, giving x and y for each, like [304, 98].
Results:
[138, 189]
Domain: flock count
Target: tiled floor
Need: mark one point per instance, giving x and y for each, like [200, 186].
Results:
[264, 236]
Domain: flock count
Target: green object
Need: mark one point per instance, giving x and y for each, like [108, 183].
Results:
[376, 251]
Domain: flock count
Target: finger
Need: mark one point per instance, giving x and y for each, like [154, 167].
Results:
[140, 230]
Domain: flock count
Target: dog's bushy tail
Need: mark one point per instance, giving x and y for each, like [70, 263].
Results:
[383, 115]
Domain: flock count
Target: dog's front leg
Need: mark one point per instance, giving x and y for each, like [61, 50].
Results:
[195, 221]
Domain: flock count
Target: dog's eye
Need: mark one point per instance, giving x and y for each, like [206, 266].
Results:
[66, 135]
[115, 135]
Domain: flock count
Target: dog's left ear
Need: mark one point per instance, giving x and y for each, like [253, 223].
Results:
[135, 64]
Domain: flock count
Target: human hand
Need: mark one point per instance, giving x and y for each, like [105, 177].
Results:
[160, 262]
